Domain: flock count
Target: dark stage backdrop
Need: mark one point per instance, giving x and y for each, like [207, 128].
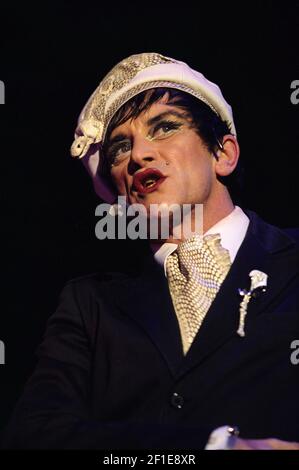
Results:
[52, 57]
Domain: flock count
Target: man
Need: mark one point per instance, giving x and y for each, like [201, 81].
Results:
[196, 348]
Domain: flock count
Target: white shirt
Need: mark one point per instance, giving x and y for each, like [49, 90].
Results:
[232, 229]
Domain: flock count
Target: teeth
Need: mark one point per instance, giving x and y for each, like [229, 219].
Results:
[150, 182]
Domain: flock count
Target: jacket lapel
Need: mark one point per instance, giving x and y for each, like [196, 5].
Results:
[146, 300]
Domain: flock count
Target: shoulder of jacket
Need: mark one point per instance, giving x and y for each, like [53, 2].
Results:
[272, 237]
[97, 278]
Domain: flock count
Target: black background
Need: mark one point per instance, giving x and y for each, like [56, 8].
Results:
[52, 57]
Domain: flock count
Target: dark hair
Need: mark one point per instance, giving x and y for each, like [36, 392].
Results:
[208, 125]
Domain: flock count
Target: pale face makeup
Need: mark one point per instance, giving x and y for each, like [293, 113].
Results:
[161, 138]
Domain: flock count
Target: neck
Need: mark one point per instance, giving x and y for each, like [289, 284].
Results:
[212, 213]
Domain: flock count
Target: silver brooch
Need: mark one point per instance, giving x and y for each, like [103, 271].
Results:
[258, 285]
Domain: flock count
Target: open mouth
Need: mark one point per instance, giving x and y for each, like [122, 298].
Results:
[147, 181]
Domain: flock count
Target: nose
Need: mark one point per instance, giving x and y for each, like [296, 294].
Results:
[142, 152]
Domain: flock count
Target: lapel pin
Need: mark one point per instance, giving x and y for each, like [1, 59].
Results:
[258, 285]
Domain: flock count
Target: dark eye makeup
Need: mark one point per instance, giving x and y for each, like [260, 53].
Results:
[118, 148]
[167, 125]
[124, 146]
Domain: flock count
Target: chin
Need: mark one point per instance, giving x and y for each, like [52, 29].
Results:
[156, 200]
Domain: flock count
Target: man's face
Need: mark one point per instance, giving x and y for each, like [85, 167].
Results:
[161, 140]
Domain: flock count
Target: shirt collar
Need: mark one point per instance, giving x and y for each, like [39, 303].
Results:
[232, 229]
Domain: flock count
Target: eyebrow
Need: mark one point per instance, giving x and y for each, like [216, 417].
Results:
[160, 116]
[150, 122]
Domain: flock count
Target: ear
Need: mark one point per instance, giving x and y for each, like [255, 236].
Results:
[228, 156]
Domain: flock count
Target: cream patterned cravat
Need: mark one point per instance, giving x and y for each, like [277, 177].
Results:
[195, 272]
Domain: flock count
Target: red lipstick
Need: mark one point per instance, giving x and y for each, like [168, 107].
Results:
[147, 181]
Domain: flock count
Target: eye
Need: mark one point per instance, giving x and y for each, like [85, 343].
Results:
[165, 128]
[119, 151]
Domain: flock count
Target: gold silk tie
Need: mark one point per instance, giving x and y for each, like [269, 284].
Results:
[195, 272]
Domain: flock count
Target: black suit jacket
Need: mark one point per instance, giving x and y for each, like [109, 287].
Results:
[112, 374]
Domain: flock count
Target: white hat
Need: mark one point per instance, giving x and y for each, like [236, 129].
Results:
[127, 79]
